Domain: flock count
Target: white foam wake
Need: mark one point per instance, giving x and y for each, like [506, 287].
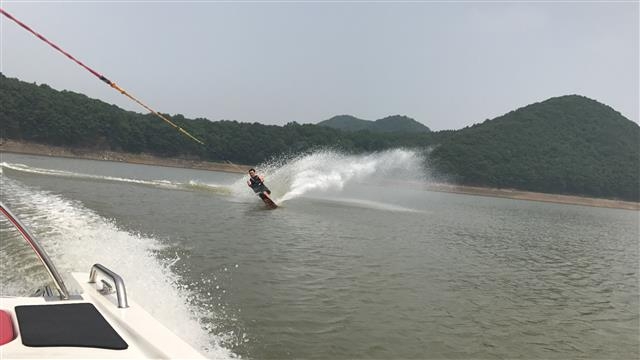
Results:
[69, 174]
[76, 238]
[165, 184]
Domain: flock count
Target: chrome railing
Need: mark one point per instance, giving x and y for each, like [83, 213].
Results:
[40, 253]
[121, 292]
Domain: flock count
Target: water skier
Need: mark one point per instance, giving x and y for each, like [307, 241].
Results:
[256, 183]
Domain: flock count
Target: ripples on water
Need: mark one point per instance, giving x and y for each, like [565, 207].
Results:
[555, 284]
[375, 271]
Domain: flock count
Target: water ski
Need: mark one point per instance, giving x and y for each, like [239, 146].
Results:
[267, 200]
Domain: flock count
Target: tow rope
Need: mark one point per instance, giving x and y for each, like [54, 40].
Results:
[100, 76]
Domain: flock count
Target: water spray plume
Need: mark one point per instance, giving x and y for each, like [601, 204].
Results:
[326, 170]
[101, 77]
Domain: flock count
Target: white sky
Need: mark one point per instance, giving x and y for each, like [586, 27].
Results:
[446, 64]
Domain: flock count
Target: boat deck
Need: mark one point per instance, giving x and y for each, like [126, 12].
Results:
[143, 335]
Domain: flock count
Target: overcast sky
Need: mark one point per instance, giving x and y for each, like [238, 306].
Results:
[446, 64]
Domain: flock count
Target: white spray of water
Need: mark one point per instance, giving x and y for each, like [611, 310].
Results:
[326, 170]
[76, 238]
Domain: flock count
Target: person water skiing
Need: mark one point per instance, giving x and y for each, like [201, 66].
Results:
[256, 183]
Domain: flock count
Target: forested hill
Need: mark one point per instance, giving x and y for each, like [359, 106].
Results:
[567, 145]
[41, 114]
[395, 123]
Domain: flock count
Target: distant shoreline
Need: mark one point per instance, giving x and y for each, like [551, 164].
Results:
[29, 148]
[534, 196]
[22, 147]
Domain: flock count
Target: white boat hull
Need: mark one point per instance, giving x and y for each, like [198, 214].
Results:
[146, 336]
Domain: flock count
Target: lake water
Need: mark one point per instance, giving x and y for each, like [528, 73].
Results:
[359, 261]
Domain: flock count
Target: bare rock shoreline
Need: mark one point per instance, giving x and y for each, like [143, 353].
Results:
[22, 147]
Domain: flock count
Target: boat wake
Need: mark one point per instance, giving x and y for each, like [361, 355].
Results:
[75, 237]
[164, 184]
[368, 204]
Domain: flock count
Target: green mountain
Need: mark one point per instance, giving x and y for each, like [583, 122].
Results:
[564, 145]
[567, 145]
[396, 123]
[346, 123]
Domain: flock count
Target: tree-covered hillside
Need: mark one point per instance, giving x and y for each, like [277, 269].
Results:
[398, 123]
[567, 145]
[41, 114]
[346, 123]
[395, 123]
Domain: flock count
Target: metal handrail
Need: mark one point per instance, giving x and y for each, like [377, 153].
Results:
[121, 292]
[40, 253]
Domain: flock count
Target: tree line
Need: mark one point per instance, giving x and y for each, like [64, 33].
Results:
[565, 145]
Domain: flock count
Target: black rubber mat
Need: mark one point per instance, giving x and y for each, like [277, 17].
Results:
[78, 324]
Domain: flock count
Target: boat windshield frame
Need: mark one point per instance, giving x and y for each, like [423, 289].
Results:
[39, 250]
